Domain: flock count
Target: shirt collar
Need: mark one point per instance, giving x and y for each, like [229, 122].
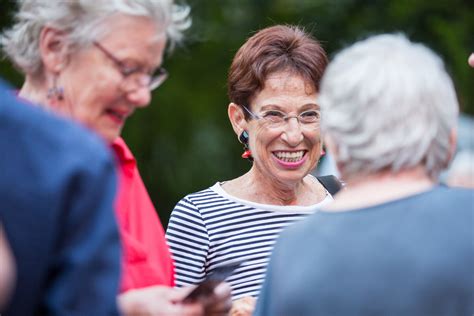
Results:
[122, 151]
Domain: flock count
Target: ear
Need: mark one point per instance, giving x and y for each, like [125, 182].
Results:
[53, 49]
[237, 118]
[453, 137]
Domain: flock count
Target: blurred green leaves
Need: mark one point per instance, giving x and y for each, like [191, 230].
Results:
[184, 142]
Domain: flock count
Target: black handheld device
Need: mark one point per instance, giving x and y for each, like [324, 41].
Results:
[213, 279]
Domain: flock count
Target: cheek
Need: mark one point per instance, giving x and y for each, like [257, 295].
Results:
[264, 138]
[101, 85]
[92, 79]
[91, 104]
[314, 140]
[96, 91]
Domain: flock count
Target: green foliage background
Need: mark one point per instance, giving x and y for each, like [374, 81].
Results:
[183, 141]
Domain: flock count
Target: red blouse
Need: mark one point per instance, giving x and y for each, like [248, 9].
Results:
[146, 256]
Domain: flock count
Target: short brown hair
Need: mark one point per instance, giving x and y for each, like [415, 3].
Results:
[273, 49]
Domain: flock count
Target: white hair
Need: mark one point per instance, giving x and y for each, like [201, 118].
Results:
[83, 21]
[388, 104]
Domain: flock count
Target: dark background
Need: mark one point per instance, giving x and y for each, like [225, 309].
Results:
[184, 142]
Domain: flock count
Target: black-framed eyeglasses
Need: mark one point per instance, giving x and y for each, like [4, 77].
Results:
[135, 77]
[277, 119]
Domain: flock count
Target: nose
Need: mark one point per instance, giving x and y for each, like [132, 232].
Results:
[140, 97]
[293, 134]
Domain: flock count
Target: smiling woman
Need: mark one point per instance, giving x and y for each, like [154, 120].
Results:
[284, 137]
[107, 95]
[273, 85]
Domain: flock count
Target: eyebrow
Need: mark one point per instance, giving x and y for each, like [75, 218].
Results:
[304, 107]
[134, 63]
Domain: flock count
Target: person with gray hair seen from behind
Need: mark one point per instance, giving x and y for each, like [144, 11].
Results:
[96, 62]
[394, 242]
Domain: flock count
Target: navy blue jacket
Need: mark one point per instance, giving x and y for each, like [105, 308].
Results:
[57, 188]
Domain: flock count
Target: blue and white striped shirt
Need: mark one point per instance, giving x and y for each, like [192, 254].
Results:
[212, 228]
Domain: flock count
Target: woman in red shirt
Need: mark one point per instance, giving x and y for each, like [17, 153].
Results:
[97, 61]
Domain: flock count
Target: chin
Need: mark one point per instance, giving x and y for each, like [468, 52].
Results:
[109, 136]
[291, 176]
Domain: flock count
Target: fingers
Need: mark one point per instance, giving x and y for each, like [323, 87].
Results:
[187, 309]
[157, 301]
[222, 290]
[178, 294]
[220, 302]
[243, 306]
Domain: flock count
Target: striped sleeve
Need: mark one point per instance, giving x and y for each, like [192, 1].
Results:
[188, 239]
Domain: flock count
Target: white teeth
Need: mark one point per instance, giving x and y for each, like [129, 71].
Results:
[292, 156]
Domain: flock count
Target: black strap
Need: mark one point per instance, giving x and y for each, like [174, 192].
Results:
[331, 183]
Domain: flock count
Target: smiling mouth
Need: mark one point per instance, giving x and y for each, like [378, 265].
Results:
[290, 156]
[119, 116]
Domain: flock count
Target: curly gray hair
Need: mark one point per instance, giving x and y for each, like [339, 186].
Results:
[388, 104]
[83, 21]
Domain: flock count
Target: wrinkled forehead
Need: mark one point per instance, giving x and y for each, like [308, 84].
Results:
[134, 37]
[288, 81]
[141, 27]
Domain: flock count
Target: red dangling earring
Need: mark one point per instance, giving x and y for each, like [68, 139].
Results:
[244, 139]
[247, 154]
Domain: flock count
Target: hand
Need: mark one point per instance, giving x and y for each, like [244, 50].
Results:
[243, 306]
[219, 303]
[162, 300]
[157, 301]
[7, 269]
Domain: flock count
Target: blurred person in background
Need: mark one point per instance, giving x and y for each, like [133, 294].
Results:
[96, 62]
[461, 171]
[394, 242]
[7, 270]
[57, 188]
[273, 84]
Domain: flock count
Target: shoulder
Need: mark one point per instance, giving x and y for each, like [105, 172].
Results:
[201, 204]
[56, 155]
[458, 193]
[331, 183]
[452, 206]
[447, 199]
[33, 129]
[201, 197]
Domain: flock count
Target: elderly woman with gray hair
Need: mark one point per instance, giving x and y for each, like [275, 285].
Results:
[96, 62]
[394, 242]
